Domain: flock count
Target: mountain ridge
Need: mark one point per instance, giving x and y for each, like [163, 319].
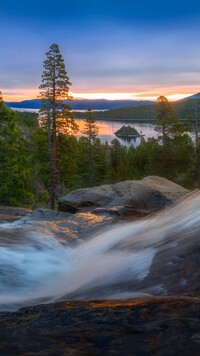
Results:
[195, 96]
[83, 104]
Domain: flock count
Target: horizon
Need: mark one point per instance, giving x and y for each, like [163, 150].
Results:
[112, 97]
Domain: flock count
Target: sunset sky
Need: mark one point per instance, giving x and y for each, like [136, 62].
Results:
[112, 49]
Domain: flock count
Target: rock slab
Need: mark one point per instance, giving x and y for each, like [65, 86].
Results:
[141, 327]
[150, 194]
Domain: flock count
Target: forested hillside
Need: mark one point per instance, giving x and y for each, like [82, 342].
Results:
[146, 113]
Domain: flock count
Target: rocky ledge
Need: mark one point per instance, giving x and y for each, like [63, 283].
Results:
[159, 326]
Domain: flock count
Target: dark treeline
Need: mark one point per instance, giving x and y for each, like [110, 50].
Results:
[146, 113]
[84, 162]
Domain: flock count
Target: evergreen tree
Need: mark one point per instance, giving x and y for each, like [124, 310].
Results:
[90, 160]
[107, 163]
[166, 119]
[90, 130]
[118, 156]
[40, 163]
[68, 160]
[55, 114]
[15, 176]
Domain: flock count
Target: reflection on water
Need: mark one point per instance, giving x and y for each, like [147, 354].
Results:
[108, 128]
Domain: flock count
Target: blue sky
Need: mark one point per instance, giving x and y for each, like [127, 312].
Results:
[127, 49]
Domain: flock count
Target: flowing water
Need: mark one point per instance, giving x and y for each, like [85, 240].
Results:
[37, 268]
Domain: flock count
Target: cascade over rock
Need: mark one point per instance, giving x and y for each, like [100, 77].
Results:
[131, 288]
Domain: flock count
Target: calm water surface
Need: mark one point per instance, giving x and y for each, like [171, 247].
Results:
[107, 129]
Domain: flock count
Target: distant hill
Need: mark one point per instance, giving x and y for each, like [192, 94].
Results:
[100, 104]
[189, 107]
[123, 110]
[146, 113]
[25, 104]
[195, 96]
[132, 113]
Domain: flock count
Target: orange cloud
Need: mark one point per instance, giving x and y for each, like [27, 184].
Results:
[19, 94]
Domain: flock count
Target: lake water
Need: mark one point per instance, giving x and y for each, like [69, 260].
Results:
[107, 129]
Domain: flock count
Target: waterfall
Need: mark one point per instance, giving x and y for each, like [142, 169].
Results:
[129, 260]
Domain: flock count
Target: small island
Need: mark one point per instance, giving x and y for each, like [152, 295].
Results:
[127, 132]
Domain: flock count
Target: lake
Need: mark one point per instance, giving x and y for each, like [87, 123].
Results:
[107, 129]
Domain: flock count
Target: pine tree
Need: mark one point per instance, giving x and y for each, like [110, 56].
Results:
[15, 177]
[90, 129]
[90, 160]
[166, 119]
[118, 156]
[55, 114]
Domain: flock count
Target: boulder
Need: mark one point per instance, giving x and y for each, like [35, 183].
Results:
[169, 189]
[151, 194]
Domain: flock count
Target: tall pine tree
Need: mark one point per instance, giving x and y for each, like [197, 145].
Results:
[55, 114]
[166, 119]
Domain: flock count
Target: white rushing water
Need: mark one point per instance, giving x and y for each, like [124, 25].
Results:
[36, 268]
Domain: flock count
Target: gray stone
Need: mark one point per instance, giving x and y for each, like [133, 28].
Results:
[170, 189]
[152, 193]
[48, 214]
[10, 214]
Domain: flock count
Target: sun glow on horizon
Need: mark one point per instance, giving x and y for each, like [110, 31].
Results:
[32, 93]
[21, 94]
[105, 95]
[130, 96]
[175, 97]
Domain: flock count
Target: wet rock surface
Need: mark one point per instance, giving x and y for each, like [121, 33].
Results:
[48, 215]
[141, 327]
[67, 228]
[9, 214]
